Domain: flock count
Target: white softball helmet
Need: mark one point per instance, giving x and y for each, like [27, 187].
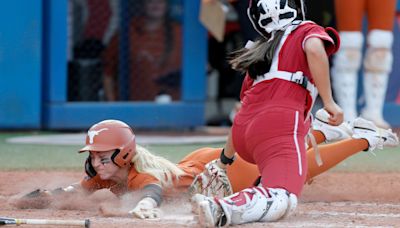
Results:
[268, 16]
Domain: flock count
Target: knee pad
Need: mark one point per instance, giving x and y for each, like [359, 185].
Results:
[349, 56]
[291, 206]
[379, 57]
[255, 204]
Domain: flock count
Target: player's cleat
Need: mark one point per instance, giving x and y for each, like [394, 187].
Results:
[331, 133]
[195, 201]
[365, 129]
[210, 213]
[391, 139]
[377, 120]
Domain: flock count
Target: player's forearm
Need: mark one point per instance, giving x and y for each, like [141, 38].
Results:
[319, 66]
[229, 148]
[148, 205]
[228, 152]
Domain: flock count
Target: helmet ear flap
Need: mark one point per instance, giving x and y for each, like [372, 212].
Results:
[122, 157]
[124, 154]
[90, 171]
[115, 158]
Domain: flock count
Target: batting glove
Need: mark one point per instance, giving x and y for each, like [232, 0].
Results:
[146, 209]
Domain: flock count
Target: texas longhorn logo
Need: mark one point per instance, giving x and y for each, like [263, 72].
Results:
[92, 134]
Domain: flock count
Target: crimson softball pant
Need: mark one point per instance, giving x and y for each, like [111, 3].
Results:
[274, 140]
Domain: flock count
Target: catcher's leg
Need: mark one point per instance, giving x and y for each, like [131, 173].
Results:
[250, 205]
[377, 67]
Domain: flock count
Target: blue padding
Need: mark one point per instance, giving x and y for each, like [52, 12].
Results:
[392, 114]
[20, 63]
[194, 54]
[55, 50]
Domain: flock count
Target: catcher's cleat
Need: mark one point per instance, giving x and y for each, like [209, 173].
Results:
[331, 133]
[195, 200]
[365, 129]
[210, 213]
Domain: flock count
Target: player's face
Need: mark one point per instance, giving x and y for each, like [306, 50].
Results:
[102, 163]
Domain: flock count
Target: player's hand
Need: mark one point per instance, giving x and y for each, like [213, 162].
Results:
[38, 193]
[37, 199]
[146, 209]
[336, 113]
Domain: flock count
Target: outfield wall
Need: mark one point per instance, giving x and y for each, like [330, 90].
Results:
[33, 74]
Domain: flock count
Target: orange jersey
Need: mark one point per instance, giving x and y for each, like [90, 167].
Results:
[241, 174]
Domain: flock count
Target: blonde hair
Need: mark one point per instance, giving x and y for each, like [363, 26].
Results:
[162, 169]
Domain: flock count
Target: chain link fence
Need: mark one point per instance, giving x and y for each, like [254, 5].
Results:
[124, 50]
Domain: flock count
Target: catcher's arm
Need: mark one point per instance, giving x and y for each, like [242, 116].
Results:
[228, 153]
[214, 181]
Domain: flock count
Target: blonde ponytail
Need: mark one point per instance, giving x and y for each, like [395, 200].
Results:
[162, 169]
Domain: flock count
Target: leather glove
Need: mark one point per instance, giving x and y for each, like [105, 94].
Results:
[212, 182]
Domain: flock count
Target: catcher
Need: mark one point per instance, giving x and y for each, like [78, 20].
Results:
[117, 163]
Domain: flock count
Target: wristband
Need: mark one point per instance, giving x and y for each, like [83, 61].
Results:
[225, 160]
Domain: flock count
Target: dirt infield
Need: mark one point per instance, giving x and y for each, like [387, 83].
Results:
[334, 199]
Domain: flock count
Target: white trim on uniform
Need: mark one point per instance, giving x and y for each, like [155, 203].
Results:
[296, 142]
[322, 37]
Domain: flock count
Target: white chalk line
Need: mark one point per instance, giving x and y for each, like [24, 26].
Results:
[347, 203]
[294, 224]
[335, 213]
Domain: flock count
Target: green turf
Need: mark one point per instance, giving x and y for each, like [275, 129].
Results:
[51, 157]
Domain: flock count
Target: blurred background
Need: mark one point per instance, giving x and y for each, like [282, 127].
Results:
[67, 64]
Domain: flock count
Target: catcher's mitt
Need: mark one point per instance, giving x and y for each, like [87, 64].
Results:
[212, 182]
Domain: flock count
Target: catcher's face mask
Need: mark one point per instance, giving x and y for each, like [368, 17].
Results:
[268, 16]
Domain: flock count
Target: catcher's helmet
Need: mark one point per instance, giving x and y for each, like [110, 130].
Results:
[112, 135]
[271, 15]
